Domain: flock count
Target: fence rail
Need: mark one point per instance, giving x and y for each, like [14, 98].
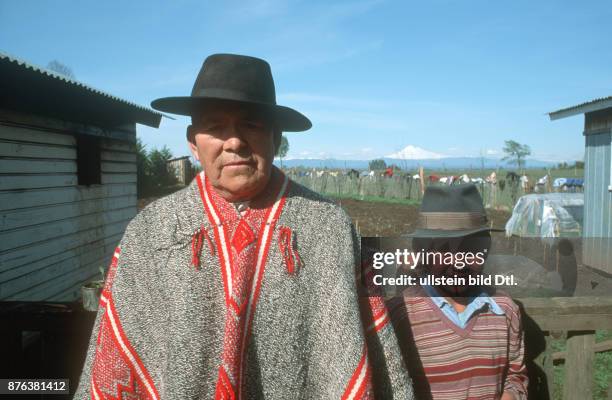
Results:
[576, 318]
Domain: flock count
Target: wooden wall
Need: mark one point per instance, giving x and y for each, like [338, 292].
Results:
[597, 230]
[54, 234]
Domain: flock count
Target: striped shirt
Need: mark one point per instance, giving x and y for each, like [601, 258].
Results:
[448, 362]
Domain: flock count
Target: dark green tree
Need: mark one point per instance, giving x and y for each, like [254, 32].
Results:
[516, 153]
[161, 174]
[377, 165]
[143, 168]
[283, 149]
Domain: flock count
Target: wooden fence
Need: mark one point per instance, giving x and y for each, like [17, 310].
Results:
[404, 188]
[576, 318]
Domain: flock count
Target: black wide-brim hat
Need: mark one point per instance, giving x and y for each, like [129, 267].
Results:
[451, 211]
[235, 78]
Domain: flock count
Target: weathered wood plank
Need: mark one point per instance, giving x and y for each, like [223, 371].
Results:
[29, 235]
[59, 283]
[20, 218]
[575, 322]
[106, 155]
[12, 118]
[25, 134]
[599, 347]
[24, 255]
[19, 182]
[36, 166]
[566, 305]
[119, 178]
[569, 313]
[106, 243]
[16, 199]
[71, 293]
[118, 145]
[548, 366]
[37, 277]
[579, 366]
[14, 149]
[118, 167]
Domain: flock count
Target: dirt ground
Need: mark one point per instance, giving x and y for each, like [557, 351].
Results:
[388, 220]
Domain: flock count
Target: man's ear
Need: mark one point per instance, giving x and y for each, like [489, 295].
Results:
[191, 142]
[190, 134]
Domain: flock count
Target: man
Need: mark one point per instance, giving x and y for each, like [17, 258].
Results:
[461, 340]
[241, 285]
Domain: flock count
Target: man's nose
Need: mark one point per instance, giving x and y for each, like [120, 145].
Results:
[234, 140]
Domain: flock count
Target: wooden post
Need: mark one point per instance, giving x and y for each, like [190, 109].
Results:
[548, 183]
[422, 176]
[578, 382]
[547, 365]
[410, 187]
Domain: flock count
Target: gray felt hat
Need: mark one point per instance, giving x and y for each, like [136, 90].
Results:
[451, 211]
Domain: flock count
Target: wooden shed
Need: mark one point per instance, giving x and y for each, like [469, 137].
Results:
[597, 229]
[67, 180]
[182, 169]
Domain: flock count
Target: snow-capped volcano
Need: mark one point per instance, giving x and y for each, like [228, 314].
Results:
[411, 152]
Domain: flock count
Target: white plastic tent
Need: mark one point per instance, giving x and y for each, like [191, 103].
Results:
[548, 215]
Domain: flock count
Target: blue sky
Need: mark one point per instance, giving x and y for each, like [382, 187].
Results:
[452, 78]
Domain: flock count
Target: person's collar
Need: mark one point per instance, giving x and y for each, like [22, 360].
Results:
[477, 301]
[484, 299]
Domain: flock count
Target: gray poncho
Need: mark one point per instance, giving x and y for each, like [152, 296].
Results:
[201, 302]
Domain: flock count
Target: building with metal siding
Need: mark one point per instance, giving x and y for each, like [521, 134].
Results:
[67, 180]
[597, 229]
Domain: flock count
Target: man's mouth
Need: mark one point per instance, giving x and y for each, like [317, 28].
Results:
[238, 163]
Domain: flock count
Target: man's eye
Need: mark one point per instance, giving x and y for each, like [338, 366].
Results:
[253, 125]
[210, 127]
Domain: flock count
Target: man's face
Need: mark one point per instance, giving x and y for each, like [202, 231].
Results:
[460, 248]
[235, 147]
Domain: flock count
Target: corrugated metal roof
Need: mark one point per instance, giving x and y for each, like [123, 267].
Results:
[589, 106]
[35, 75]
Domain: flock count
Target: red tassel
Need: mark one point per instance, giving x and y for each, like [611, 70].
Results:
[288, 250]
[196, 246]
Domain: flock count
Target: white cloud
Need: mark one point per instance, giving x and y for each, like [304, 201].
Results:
[411, 152]
[492, 152]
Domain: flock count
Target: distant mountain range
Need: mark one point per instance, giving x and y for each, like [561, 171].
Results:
[427, 163]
